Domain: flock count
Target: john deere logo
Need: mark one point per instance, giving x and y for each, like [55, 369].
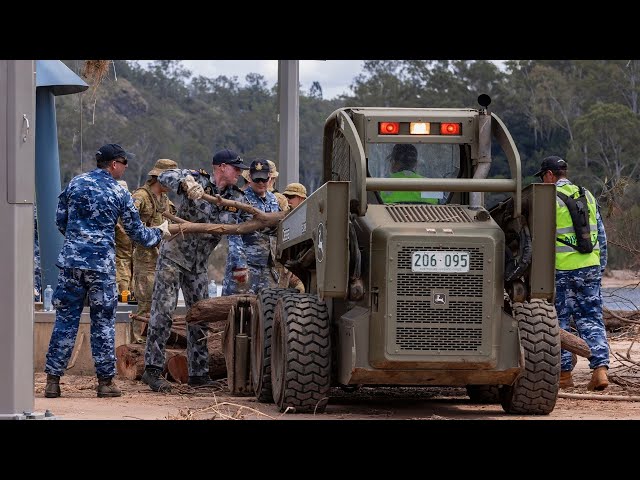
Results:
[320, 243]
[439, 299]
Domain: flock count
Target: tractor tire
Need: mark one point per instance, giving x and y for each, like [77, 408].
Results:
[261, 342]
[535, 391]
[301, 354]
[486, 394]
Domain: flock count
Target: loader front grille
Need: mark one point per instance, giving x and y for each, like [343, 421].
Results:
[422, 326]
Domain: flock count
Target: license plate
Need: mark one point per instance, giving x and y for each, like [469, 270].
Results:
[440, 262]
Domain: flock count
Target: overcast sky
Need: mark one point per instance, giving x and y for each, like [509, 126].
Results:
[334, 76]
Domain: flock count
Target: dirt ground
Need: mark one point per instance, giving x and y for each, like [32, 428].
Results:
[79, 401]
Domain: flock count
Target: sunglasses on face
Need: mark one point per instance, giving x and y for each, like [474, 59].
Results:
[260, 180]
[123, 161]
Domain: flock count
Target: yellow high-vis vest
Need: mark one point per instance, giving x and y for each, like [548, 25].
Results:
[567, 258]
[407, 197]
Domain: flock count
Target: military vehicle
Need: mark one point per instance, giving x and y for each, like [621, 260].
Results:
[410, 279]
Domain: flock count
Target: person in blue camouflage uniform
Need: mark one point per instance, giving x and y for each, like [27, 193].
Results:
[37, 272]
[88, 210]
[254, 250]
[182, 264]
[578, 292]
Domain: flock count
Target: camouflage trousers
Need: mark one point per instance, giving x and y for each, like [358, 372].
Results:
[68, 300]
[170, 278]
[143, 279]
[123, 273]
[259, 278]
[578, 295]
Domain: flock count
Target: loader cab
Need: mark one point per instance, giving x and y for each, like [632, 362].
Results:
[415, 160]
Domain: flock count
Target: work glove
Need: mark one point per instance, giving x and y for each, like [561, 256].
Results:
[194, 189]
[240, 274]
[164, 228]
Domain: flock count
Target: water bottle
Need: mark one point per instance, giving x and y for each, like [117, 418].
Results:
[48, 295]
[213, 289]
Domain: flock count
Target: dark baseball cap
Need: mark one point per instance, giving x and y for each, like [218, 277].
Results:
[553, 163]
[230, 158]
[111, 151]
[259, 169]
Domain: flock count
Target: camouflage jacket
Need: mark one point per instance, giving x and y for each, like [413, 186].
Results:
[191, 250]
[255, 248]
[150, 208]
[88, 210]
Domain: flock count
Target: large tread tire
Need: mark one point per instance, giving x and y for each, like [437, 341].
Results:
[301, 354]
[535, 391]
[261, 342]
[485, 394]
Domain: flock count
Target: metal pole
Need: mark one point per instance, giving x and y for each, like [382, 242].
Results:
[288, 122]
[17, 153]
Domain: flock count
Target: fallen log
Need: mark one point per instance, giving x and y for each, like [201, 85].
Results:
[595, 396]
[178, 335]
[130, 360]
[177, 368]
[215, 309]
[615, 320]
[574, 344]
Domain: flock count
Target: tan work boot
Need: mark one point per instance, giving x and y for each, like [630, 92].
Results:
[599, 380]
[106, 388]
[566, 380]
[52, 390]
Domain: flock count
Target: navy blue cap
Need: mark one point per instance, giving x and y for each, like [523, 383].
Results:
[259, 169]
[230, 158]
[111, 151]
[553, 163]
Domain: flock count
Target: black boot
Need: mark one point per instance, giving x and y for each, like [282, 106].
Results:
[152, 376]
[202, 381]
[52, 390]
[106, 388]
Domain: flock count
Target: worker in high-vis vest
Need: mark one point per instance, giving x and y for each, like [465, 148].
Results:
[403, 163]
[579, 277]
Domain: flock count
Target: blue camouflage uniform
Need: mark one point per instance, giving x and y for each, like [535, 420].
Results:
[578, 294]
[253, 250]
[37, 272]
[88, 210]
[182, 264]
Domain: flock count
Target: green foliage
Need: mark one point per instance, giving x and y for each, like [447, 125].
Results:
[583, 110]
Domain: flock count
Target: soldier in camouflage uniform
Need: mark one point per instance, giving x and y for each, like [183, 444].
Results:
[124, 254]
[578, 278]
[182, 264]
[88, 209]
[151, 200]
[253, 250]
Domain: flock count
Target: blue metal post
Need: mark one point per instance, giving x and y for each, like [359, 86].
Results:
[47, 184]
[52, 78]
